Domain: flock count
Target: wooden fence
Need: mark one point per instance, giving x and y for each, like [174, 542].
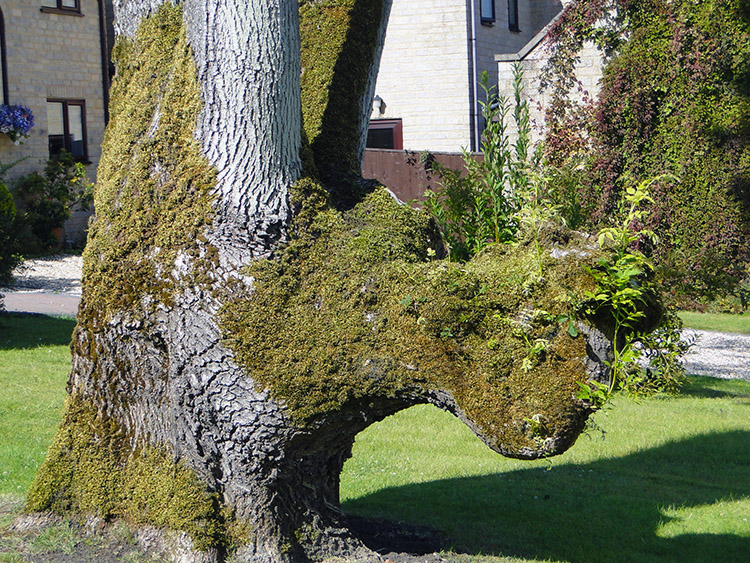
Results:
[404, 173]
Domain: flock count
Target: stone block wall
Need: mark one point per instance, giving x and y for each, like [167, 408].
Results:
[533, 56]
[498, 39]
[424, 73]
[52, 55]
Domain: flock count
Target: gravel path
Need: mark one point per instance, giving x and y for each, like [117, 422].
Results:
[54, 274]
[53, 286]
[719, 354]
[50, 286]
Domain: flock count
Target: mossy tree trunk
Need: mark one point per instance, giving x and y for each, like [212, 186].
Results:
[251, 304]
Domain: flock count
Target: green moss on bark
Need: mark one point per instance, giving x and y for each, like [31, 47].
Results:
[92, 469]
[339, 40]
[153, 203]
[355, 311]
[152, 197]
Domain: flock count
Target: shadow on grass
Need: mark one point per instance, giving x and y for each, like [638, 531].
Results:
[24, 330]
[609, 510]
[703, 387]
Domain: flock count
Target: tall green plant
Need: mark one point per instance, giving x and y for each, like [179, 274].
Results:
[537, 209]
[641, 361]
[479, 206]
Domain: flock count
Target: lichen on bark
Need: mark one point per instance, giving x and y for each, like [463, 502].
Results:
[153, 194]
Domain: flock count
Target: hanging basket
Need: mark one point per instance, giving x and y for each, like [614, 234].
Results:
[16, 122]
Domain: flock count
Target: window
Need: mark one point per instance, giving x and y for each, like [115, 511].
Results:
[66, 122]
[3, 66]
[385, 134]
[487, 11]
[61, 6]
[513, 15]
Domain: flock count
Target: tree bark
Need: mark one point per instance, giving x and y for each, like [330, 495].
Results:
[245, 316]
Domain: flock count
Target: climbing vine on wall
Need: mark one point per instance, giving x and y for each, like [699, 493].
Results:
[675, 99]
[569, 121]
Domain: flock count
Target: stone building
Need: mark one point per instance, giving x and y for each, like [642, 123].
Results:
[435, 52]
[55, 61]
[533, 57]
[434, 55]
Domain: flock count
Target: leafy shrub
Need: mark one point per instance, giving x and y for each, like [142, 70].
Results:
[9, 257]
[45, 201]
[675, 99]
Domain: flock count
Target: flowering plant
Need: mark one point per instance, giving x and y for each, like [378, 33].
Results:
[16, 122]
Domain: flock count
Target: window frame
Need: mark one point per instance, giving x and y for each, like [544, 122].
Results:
[513, 24]
[395, 125]
[61, 9]
[84, 158]
[487, 19]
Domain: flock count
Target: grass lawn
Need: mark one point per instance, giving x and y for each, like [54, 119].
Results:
[718, 321]
[34, 366]
[665, 480]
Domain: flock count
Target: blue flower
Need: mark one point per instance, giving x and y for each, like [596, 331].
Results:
[16, 121]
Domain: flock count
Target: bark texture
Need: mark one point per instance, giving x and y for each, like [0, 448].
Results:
[245, 315]
[247, 57]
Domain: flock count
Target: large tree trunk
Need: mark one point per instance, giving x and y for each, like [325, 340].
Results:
[245, 315]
